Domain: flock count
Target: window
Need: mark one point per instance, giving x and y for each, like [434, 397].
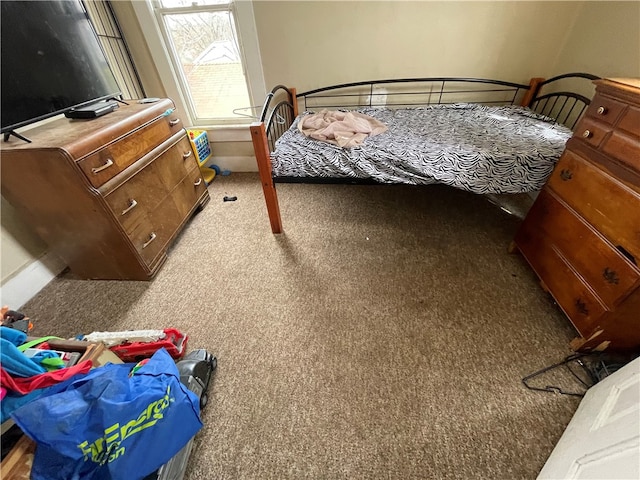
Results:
[115, 48]
[210, 54]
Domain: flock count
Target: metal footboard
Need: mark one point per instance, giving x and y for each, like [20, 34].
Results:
[278, 118]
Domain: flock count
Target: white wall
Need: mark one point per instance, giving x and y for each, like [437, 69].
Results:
[25, 264]
[311, 44]
[19, 244]
[605, 41]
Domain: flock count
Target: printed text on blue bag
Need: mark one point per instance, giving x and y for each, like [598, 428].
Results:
[107, 448]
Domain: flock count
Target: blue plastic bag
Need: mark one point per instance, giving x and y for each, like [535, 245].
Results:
[109, 424]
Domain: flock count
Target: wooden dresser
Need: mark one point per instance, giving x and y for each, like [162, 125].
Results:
[582, 235]
[109, 194]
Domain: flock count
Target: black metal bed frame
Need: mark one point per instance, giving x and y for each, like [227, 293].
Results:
[548, 104]
[440, 90]
[563, 106]
[281, 107]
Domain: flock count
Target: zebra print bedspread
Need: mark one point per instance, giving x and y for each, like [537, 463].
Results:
[479, 148]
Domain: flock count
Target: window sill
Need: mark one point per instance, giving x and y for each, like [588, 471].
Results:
[226, 133]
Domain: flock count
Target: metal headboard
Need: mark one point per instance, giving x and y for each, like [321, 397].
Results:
[408, 92]
[565, 107]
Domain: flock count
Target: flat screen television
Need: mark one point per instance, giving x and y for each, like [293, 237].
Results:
[52, 61]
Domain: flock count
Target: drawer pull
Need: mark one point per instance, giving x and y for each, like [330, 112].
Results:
[132, 205]
[587, 134]
[107, 164]
[152, 237]
[601, 110]
[610, 276]
[174, 122]
[566, 175]
[581, 306]
[186, 154]
[197, 182]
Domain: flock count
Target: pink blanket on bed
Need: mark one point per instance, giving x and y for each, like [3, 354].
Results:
[345, 129]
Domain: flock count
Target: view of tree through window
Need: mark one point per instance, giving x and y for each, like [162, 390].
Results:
[206, 45]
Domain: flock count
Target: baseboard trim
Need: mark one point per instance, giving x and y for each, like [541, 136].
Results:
[22, 287]
[235, 164]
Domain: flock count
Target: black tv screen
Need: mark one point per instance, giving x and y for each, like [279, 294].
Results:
[51, 61]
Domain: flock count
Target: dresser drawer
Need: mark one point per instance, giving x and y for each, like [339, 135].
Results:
[607, 271]
[176, 163]
[624, 142]
[115, 157]
[152, 233]
[189, 191]
[592, 132]
[142, 192]
[630, 121]
[575, 298]
[605, 109]
[624, 148]
[609, 206]
[137, 197]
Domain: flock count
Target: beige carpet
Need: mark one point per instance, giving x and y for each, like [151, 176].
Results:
[383, 336]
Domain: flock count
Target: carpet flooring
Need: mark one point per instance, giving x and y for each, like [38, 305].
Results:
[384, 335]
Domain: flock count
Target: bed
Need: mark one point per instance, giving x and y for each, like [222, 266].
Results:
[480, 135]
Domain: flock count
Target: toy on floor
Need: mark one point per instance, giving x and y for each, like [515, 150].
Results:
[135, 345]
[15, 320]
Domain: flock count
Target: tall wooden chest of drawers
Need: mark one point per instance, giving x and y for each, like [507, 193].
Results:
[109, 194]
[582, 235]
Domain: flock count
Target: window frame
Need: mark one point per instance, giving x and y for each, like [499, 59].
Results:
[150, 17]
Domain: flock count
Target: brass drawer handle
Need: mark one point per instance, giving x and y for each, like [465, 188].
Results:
[610, 276]
[132, 205]
[174, 122]
[186, 154]
[152, 237]
[197, 182]
[566, 175]
[107, 164]
[601, 110]
[587, 134]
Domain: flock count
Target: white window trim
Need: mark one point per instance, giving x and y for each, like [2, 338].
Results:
[248, 38]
